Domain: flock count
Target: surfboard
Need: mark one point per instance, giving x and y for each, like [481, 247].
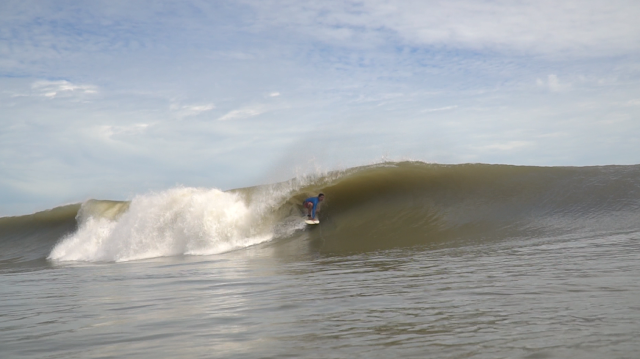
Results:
[311, 221]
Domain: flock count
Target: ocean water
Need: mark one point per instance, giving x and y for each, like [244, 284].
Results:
[409, 260]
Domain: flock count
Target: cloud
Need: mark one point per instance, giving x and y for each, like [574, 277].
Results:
[446, 108]
[182, 111]
[108, 131]
[242, 113]
[505, 146]
[589, 28]
[62, 88]
[553, 84]
[379, 98]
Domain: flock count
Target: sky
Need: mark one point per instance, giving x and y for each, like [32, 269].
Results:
[109, 99]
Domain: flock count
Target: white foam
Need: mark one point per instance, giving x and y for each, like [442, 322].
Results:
[173, 222]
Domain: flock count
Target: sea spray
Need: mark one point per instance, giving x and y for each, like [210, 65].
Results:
[187, 221]
[173, 222]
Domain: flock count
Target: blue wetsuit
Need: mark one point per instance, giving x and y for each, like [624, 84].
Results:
[315, 201]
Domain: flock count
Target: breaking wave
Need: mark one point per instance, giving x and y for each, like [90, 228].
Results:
[366, 208]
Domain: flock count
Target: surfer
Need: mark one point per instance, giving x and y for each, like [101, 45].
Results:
[311, 204]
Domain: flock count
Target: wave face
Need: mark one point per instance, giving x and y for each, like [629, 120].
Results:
[366, 208]
[413, 203]
[29, 239]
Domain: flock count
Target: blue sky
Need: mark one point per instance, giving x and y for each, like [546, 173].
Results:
[108, 99]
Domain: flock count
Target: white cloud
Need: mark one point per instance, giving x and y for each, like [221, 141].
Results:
[182, 111]
[553, 84]
[242, 113]
[446, 108]
[505, 146]
[378, 99]
[62, 88]
[274, 94]
[108, 131]
[587, 28]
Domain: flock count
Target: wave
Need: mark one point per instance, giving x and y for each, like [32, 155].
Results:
[412, 203]
[28, 239]
[372, 207]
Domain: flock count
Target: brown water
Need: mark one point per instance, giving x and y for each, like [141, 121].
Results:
[431, 261]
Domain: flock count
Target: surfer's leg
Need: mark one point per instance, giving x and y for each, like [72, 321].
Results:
[309, 206]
